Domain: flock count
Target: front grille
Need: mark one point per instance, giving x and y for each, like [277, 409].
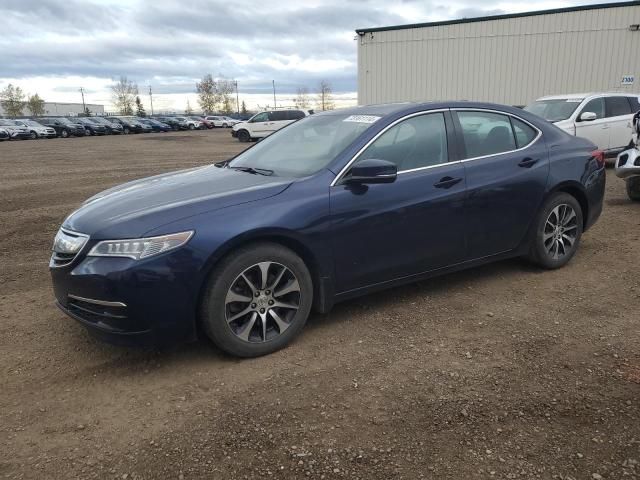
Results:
[62, 254]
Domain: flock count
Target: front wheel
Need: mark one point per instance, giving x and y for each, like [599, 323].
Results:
[33, 135]
[633, 188]
[192, 126]
[64, 133]
[244, 136]
[557, 231]
[257, 300]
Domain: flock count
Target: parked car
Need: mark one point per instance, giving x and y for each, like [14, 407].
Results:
[204, 124]
[36, 129]
[4, 135]
[78, 128]
[337, 205]
[155, 125]
[221, 121]
[91, 127]
[172, 122]
[16, 131]
[265, 123]
[603, 118]
[187, 123]
[111, 128]
[128, 125]
[63, 129]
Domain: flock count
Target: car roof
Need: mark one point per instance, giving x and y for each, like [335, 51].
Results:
[386, 109]
[586, 95]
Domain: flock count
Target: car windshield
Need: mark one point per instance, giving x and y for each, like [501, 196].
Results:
[554, 110]
[304, 147]
[32, 123]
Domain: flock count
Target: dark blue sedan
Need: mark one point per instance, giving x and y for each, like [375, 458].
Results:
[333, 206]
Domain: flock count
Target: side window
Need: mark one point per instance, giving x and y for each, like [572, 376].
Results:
[279, 116]
[261, 117]
[486, 133]
[617, 106]
[596, 106]
[414, 143]
[295, 115]
[524, 133]
[635, 104]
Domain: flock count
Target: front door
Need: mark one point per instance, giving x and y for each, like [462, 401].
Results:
[260, 125]
[416, 224]
[597, 131]
[506, 166]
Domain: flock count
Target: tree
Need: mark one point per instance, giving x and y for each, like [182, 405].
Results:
[188, 110]
[35, 105]
[215, 94]
[124, 93]
[302, 99]
[12, 100]
[87, 112]
[207, 94]
[243, 108]
[140, 108]
[325, 97]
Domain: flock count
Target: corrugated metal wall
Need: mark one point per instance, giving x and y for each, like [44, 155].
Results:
[511, 61]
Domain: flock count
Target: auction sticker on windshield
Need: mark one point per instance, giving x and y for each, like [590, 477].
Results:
[362, 118]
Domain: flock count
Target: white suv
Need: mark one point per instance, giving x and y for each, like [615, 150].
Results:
[221, 121]
[603, 118]
[265, 123]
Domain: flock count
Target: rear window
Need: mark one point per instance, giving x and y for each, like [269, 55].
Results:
[617, 106]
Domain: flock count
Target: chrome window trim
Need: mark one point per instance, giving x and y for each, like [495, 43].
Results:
[382, 132]
[499, 112]
[103, 303]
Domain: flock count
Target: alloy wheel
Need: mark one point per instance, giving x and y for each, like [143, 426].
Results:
[262, 302]
[560, 231]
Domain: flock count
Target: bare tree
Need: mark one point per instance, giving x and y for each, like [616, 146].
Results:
[12, 100]
[124, 94]
[325, 97]
[188, 110]
[225, 89]
[207, 91]
[302, 98]
[35, 105]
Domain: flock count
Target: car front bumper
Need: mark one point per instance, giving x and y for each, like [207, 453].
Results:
[128, 302]
[234, 134]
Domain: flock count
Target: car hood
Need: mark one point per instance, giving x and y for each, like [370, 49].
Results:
[16, 128]
[132, 209]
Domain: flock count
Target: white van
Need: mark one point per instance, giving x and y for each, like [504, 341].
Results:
[603, 118]
[265, 123]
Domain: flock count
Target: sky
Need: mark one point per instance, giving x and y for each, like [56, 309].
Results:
[55, 47]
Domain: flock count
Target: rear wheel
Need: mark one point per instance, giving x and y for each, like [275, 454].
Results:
[633, 188]
[257, 300]
[127, 131]
[192, 126]
[244, 136]
[557, 231]
[64, 133]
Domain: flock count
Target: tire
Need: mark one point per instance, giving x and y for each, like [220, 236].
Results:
[33, 135]
[556, 233]
[126, 131]
[64, 133]
[243, 136]
[224, 125]
[244, 334]
[633, 188]
[192, 126]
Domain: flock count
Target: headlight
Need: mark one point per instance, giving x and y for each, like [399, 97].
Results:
[67, 242]
[138, 248]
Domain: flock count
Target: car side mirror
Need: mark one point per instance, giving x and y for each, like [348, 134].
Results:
[588, 116]
[372, 171]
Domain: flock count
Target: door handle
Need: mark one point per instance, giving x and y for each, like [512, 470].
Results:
[528, 162]
[447, 182]
[605, 126]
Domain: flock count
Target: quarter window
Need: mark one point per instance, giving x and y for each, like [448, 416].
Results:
[635, 104]
[417, 142]
[617, 106]
[596, 106]
[486, 133]
[525, 134]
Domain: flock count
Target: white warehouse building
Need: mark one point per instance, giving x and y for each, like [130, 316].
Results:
[509, 59]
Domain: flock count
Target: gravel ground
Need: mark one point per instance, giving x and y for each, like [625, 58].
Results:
[503, 371]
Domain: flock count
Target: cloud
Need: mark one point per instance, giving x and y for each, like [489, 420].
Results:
[170, 44]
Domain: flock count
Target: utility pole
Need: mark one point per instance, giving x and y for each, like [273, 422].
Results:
[84, 107]
[274, 93]
[151, 98]
[235, 82]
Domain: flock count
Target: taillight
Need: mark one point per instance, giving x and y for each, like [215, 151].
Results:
[599, 156]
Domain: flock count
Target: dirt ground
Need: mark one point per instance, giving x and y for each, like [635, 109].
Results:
[502, 372]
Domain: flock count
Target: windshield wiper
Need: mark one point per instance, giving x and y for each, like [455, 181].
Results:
[253, 170]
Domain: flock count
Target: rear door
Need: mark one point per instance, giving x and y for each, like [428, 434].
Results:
[619, 114]
[506, 167]
[598, 130]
